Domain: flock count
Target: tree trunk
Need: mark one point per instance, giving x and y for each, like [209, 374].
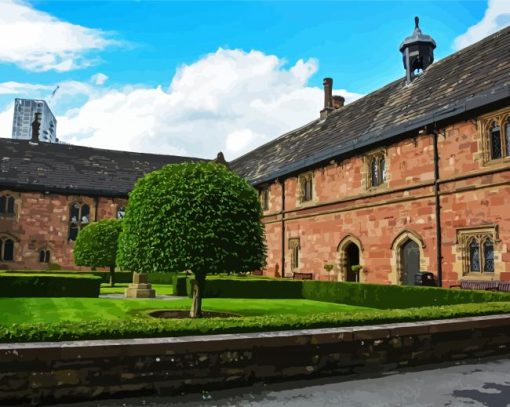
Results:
[112, 276]
[198, 290]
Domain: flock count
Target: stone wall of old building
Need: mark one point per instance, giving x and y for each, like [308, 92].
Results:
[41, 222]
[474, 198]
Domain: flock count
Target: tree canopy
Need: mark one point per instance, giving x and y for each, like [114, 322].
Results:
[96, 245]
[193, 216]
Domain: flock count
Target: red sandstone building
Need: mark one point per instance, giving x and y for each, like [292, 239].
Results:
[412, 177]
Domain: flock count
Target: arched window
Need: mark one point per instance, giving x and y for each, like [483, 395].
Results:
[44, 256]
[6, 205]
[305, 190]
[79, 217]
[6, 249]
[376, 169]
[488, 256]
[495, 140]
[474, 256]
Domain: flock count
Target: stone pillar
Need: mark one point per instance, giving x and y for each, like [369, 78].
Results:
[140, 287]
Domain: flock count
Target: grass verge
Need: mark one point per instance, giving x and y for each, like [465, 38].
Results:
[145, 327]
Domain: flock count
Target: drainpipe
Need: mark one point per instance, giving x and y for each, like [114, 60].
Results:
[437, 210]
[96, 201]
[282, 183]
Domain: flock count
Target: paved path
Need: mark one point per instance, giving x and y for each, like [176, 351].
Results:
[473, 383]
[158, 297]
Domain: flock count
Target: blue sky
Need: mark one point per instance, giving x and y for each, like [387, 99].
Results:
[197, 77]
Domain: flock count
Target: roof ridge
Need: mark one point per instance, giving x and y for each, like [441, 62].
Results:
[99, 149]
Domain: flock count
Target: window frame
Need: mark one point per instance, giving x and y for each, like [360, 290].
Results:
[294, 248]
[478, 236]
[501, 119]
[3, 240]
[376, 177]
[7, 200]
[78, 224]
[264, 198]
[305, 189]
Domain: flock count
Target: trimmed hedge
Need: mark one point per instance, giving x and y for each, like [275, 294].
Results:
[48, 285]
[180, 286]
[367, 295]
[145, 327]
[162, 278]
[120, 276]
[394, 296]
[247, 288]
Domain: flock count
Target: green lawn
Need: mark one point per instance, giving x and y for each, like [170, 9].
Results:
[120, 288]
[47, 310]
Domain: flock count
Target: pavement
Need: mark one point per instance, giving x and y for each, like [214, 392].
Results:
[158, 297]
[481, 382]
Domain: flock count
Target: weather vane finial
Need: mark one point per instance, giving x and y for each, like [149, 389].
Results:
[416, 22]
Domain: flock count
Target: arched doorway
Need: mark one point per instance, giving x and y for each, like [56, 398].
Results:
[350, 253]
[352, 257]
[409, 262]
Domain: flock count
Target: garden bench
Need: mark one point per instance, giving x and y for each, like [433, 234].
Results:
[302, 276]
[477, 285]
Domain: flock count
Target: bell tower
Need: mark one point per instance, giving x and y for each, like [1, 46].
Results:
[417, 51]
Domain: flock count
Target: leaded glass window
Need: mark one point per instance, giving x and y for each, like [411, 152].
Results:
[79, 217]
[305, 187]
[495, 140]
[6, 249]
[294, 253]
[44, 256]
[478, 249]
[474, 257]
[7, 205]
[488, 256]
[376, 169]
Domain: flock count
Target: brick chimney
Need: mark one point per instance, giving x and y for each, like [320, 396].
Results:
[328, 97]
[36, 126]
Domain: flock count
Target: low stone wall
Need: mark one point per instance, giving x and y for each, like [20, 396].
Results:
[81, 370]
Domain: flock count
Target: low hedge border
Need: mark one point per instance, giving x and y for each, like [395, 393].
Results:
[366, 295]
[48, 285]
[147, 328]
[120, 276]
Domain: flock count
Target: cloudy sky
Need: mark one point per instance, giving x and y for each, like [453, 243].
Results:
[193, 78]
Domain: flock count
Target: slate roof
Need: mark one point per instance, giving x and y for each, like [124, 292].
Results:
[73, 169]
[473, 77]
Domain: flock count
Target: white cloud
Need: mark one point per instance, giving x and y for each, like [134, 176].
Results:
[99, 79]
[497, 16]
[37, 41]
[230, 101]
[18, 88]
[6, 121]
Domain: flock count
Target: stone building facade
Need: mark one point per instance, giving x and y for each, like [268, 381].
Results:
[412, 177]
[48, 192]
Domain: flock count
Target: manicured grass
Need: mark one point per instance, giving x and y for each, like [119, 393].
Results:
[119, 288]
[50, 310]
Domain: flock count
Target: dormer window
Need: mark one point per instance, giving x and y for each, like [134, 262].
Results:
[79, 217]
[6, 205]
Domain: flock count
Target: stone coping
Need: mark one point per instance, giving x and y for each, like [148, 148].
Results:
[314, 336]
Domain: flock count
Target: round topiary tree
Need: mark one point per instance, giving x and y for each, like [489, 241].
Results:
[96, 245]
[193, 216]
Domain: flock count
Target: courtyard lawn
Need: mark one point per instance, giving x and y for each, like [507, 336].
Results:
[49, 310]
[166, 289]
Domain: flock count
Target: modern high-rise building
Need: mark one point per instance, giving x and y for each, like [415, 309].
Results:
[24, 113]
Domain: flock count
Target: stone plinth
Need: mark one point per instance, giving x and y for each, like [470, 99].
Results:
[140, 287]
